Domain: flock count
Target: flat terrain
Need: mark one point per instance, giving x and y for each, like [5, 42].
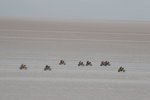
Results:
[37, 44]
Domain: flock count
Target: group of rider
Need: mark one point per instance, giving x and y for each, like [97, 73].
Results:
[88, 63]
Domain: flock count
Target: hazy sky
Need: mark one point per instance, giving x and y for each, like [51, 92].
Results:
[76, 9]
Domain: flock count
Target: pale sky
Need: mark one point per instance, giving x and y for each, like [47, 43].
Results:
[76, 9]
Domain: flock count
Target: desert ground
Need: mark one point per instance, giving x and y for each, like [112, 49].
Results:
[37, 44]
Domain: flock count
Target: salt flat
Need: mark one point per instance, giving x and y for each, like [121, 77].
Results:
[37, 44]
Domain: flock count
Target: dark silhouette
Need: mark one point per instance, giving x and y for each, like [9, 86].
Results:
[47, 68]
[80, 63]
[62, 62]
[121, 69]
[105, 63]
[88, 63]
[23, 67]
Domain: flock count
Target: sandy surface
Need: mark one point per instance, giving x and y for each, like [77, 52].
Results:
[39, 43]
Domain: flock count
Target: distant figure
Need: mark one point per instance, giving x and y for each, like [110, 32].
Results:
[121, 69]
[105, 63]
[47, 68]
[62, 62]
[23, 67]
[88, 63]
[80, 63]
